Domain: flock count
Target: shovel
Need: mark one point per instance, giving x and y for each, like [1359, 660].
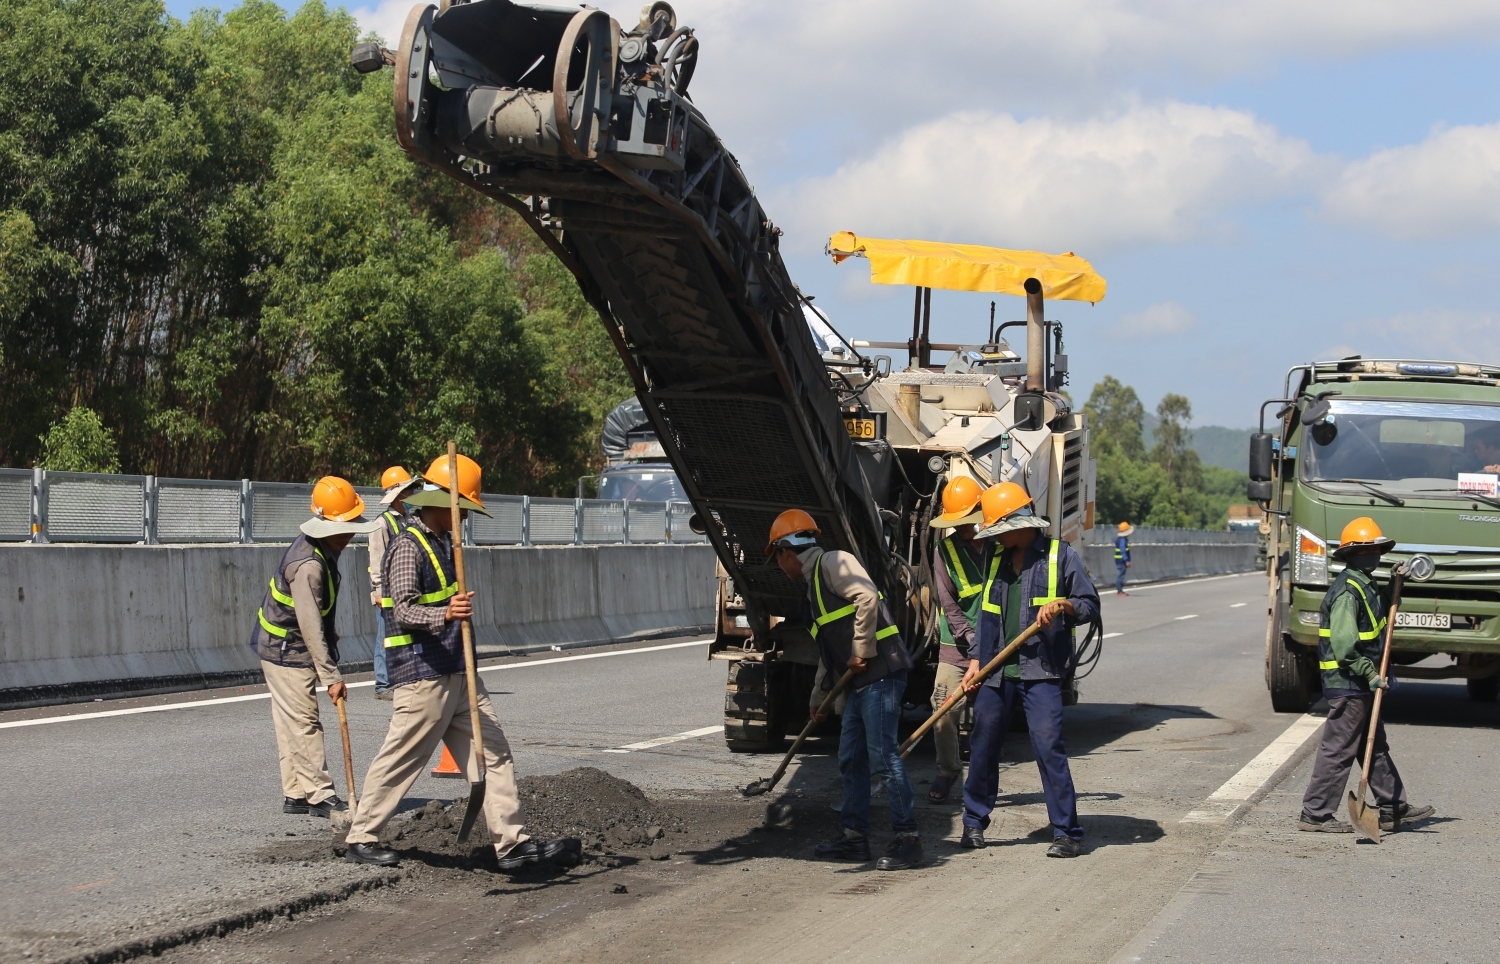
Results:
[476, 789]
[764, 786]
[1366, 819]
[984, 674]
[348, 756]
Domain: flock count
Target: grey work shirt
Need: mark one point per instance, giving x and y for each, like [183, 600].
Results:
[307, 583]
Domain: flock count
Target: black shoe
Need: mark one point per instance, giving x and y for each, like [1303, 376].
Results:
[904, 853]
[973, 839]
[1064, 847]
[368, 853]
[533, 852]
[1328, 824]
[844, 848]
[1391, 821]
[327, 808]
[288, 805]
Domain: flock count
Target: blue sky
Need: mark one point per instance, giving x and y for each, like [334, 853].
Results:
[1261, 184]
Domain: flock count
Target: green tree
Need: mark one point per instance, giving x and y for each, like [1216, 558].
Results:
[80, 443]
[1115, 417]
[1174, 442]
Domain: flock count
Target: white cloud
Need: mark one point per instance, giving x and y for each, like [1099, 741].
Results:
[386, 18]
[1159, 173]
[1447, 185]
[1440, 334]
[1163, 318]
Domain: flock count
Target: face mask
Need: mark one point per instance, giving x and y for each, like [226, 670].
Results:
[1365, 562]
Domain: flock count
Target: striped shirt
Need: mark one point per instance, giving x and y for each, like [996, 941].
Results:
[402, 569]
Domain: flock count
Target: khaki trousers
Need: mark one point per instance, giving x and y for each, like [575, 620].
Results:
[425, 713]
[945, 731]
[299, 731]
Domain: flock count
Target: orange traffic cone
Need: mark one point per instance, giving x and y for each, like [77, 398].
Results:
[447, 766]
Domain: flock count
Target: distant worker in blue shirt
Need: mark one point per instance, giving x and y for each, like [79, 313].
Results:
[1122, 557]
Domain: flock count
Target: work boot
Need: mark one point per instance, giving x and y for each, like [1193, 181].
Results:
[842, 847]
[903, 854]
[1392, 820]
[1064, 847]
[1328, 824]
[290, 805]
[383, 695]
[532, 852]
[327, 808]
[973, 839]
[368, 853]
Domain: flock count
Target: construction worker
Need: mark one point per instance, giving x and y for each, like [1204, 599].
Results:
[958, 571]
[426, 666]
[1030, 577]
[1122, 556]
[1351, 638]
[298, 648]
[396, 482]
[854, 631]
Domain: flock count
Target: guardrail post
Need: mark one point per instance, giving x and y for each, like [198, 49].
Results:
[577, 522]
[148, 508]
[467, 531]
[525, 520]
[247, 500]
[38, 506]
[626, 522]
[669, 520]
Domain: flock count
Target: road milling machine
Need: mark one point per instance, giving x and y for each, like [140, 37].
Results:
[585, 129]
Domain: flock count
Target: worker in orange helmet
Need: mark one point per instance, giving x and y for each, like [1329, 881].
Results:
[298, 647]
[854, 631]
[425, 660]
[958, 577]
[1351, 640]
[1122, 555]
[397, 482]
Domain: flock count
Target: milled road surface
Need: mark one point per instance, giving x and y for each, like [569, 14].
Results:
[151, 832]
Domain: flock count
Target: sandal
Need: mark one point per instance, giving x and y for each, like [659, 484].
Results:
[940, 787]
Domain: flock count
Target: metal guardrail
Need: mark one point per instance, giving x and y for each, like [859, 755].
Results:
[41, 506]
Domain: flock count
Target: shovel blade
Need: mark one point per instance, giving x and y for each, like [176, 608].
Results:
[1365, 819]
[476, 803]
[757, 788]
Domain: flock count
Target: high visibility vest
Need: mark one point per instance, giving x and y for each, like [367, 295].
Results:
[446, 589]
[1121, 549]
[967, 576]
[277, 636]
[415, 654]
[1369, 620]
[992, 606]
[833, 628]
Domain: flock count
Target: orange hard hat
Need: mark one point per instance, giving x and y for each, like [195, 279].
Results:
[395, 475]
[334, 499]
[1007, 506]
[469, 477]
[960, 503]
[1362, 534]
[792, 522]
[1125, 527]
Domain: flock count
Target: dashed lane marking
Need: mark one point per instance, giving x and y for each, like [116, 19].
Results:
[220, 701]
[1184, 582]
[664, 740]
[1237, 605]
[1112, 635]
[1188, 616]
[1255, 778]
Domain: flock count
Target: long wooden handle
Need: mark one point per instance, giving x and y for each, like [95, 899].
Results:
[812, 721]
[348, 756]
[1385, 664]
[471, 675]
[984, 673]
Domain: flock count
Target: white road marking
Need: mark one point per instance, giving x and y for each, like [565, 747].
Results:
[220, 701]
[1184, 582]
[1112, 635]
[1188, 616]
[664, 740]
[1246, 786]
[1237, 605]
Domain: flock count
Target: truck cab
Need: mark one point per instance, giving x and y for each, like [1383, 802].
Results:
[1415, 445]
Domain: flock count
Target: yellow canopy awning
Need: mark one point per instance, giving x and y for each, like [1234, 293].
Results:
[970, 267]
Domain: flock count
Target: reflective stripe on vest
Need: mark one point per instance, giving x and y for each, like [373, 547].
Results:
[825, 617]
[1052, 596]
[448, 590]
[959, 571]
[290, 603]
[1377, 621]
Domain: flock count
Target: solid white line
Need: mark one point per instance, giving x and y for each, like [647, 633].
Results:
[136, 710]
[1188, 616]
[1237, 605]
[1254, 776]
[1112, 635]
[1187, 582]
[674, 738]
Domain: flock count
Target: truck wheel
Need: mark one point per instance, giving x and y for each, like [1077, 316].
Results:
[1484, 690]
[1293, 684]
[755, 703]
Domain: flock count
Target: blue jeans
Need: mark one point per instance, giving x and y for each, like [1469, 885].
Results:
[1119, 577]
[382, 679]
[1042, 700]
[870, 718]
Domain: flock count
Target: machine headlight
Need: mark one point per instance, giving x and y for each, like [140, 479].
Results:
[1310, 563]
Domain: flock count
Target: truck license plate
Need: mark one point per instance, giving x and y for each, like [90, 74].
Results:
[1423, 620]
[863, 428]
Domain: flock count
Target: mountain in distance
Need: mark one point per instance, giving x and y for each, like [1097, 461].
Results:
[1216, 445]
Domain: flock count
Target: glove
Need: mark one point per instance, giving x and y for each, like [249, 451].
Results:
[1379, 682]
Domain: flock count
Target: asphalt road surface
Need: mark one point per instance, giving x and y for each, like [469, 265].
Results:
[132, 827]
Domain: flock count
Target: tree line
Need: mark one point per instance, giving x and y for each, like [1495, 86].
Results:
[1166, 486]
[216, 262]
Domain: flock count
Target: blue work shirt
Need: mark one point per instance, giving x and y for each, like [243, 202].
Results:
[1048, 654]
[1122, 549]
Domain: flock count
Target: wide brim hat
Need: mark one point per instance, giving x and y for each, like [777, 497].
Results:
[974, 517]
[320, 528]
[398, 492]
[1022, 518]
[437, 497]
[1128, 530]
[1381, 545]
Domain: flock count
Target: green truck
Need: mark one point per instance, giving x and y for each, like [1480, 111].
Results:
[1415, 445]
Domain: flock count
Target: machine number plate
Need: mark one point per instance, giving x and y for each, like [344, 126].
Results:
[1423, 620]
[861, 428]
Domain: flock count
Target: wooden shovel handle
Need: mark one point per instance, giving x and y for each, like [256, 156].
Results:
[984, 674]
[348, 755]
[812, 721]
[471, 675]
[1397, 575]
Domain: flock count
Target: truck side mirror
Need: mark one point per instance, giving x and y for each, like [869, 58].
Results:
[1260, 459]
[1258, 491]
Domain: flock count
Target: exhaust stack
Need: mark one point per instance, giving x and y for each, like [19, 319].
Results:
[1036, 338]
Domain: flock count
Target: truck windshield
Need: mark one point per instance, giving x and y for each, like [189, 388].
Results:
[641, 483]
[1406, 447]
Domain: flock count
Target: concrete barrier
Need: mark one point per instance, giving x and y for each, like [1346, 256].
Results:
[105, 621]
[1217, 553]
